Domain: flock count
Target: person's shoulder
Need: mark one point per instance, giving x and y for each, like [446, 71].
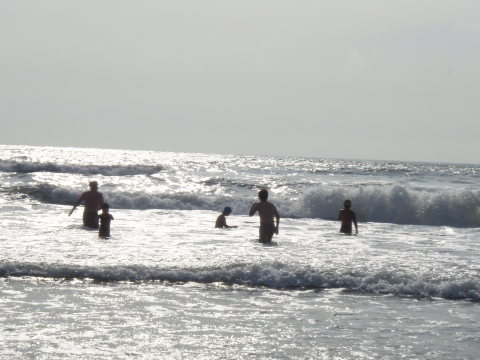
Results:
[220, 221]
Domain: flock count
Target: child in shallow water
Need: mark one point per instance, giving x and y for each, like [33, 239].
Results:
[222, 220]
[105, 219]
[347, 216]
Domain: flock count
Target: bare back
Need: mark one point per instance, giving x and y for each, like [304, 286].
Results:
[266, 210]
[93, 200]
[347, 216]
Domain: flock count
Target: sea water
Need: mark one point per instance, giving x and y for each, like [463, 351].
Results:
[168, 285]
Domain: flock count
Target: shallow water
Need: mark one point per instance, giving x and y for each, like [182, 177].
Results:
[86, 320]
[169, 285]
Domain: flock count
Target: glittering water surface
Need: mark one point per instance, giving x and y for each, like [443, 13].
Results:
[169, 285]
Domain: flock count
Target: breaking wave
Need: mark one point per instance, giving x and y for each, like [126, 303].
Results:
[133, 200]
[108, 170]
[388, 204]
[274, 276]
[398, 204]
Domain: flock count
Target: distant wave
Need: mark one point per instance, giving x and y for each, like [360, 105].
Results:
[397, 204]
[133, 200]
[390, 204]
[109, 170]
[273, 276]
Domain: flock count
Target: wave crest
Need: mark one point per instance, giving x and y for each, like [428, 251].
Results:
[397, 204]
[108, 170]
[275, 276]
[388, 204]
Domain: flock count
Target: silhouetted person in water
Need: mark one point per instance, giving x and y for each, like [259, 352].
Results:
[222, 220]
[105, 219]
[347, 216]
[93, 200]
[267, 212]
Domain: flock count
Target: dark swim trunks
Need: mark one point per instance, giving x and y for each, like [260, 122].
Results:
[90, 219]
[346, 228]
[266, 232]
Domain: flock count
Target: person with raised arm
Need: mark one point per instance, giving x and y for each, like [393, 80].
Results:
[93, 201]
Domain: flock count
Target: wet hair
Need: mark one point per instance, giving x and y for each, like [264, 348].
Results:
[347, 203]
[105, 206]
[227, 210]
[93, 184]
[263, 194]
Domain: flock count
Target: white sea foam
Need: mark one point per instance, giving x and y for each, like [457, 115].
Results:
[375, 203]
[266, 275]
[108, 170]
[397, 204]
[167, 280]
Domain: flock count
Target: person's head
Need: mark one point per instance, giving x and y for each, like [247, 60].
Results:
[93, 185]
[347, 204]
[105, 207]
[227, 211]
[263, 194]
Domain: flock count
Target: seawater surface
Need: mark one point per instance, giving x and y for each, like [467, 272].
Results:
[169, 285]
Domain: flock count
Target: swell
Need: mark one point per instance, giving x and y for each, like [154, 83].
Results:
[398, 204]
[108, 170]
[50, 194]
[373, 203]
[274, 276]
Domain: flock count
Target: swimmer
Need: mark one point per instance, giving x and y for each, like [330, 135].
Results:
[267, 212]
[93, 200]
[222, 219]
[347, 216]
[105, 219]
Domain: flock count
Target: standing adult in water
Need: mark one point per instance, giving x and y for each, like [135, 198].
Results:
[267, 212]
[93, 200]
[347, 217]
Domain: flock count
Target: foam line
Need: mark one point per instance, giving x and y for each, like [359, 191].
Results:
[273, 276]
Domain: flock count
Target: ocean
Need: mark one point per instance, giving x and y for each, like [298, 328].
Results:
[168, 285]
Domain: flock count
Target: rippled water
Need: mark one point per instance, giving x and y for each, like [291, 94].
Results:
[169, 285]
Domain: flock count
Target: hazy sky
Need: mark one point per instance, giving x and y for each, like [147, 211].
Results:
[370, 79]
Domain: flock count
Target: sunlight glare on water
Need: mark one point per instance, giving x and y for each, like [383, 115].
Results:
[167, 284]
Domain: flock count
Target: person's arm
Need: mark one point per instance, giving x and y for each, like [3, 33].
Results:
[354, 218]
[253, 209]
[80, 199]
[100, 199]
[277, 217]
[340, 215]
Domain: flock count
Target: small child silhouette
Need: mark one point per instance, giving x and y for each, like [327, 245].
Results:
[105, 219]
[222, 219]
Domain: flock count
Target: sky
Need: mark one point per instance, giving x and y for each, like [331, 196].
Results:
[370, 79]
